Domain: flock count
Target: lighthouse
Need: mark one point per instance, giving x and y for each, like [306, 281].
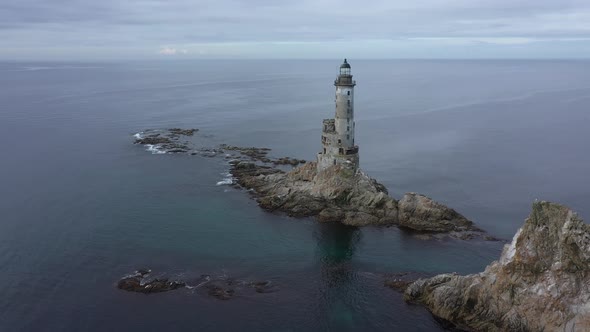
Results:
[338, 146]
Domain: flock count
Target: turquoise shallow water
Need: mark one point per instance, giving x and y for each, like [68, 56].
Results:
[82, 206]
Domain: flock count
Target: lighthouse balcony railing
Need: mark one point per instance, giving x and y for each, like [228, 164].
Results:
[344, 81]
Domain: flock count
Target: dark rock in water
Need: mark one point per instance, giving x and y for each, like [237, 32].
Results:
[138, 283]
[153, 140]
[221, 287]
[177, 150]
[185, 132]
[219, 292]
[398, 284]
[540, 282]
[401, 281]
[255, 154]
[263, 287]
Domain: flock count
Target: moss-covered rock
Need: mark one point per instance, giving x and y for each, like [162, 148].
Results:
[540, 283]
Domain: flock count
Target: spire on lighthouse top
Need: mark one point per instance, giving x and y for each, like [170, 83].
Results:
[345, 64]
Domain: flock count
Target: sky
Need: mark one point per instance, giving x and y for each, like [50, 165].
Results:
[190, 29]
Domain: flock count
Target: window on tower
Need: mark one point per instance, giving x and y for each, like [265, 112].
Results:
[349, 93]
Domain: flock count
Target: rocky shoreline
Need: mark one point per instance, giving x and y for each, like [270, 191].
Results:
[540, 283]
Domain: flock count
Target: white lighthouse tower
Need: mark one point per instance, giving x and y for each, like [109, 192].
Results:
[338, 133]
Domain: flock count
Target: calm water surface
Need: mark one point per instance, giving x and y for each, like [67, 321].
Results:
[81, 206]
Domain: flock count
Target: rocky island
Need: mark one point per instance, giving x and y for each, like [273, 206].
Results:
[540, 283]
[333, 188]
[341, 194]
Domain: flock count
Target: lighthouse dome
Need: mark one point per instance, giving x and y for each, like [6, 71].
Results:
[345, 64]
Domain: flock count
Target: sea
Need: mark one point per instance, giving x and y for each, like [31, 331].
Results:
[82, 206]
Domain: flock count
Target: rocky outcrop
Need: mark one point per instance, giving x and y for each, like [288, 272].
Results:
[139, 282]
[336, 194]
[340, 194]
[164, 141]
[540, 283]
[185, 132]
[420, 213]
[220, 287]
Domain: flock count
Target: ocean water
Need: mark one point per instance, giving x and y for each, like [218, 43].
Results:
[81, 206]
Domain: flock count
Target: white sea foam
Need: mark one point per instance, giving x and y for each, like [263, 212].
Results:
[229, 179]
[226, 181]
[154, 149]
[139, 135]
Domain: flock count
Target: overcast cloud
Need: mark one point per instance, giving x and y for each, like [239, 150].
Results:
[110, 29]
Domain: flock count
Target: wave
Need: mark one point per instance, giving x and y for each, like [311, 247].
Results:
[229, 180]
[154, 149]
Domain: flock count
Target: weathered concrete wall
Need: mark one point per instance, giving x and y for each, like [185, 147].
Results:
[338, 144]
[344, 119]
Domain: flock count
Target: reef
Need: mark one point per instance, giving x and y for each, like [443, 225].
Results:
[220, 287]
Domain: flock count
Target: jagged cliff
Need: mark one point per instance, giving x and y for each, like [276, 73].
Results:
[339, 194]
[540, 283]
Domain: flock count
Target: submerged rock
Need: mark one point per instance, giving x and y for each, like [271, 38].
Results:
[339, 194]
[540, 283]
[153, 140]
[219, 292]
[401, 281]
[185, 132]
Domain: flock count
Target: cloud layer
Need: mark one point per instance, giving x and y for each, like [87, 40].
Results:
[171, 51]
[247, 28]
